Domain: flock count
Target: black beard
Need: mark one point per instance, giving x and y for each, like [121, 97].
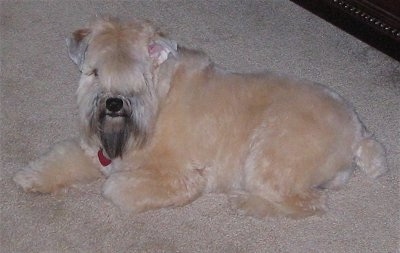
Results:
[114, 134]
[119, 131]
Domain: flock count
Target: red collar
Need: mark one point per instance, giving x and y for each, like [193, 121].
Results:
[103, 160]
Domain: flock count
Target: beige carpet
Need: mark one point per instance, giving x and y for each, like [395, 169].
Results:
[38, 83]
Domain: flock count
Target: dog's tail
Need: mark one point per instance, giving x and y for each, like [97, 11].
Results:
[370, 156]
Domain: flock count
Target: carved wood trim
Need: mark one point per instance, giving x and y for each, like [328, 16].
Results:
[373, 15]
[376, 22]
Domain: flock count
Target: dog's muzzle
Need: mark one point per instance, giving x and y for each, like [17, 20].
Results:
[119, 122]
[114, 125]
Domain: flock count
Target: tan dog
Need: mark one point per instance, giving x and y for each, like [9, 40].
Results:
[165, 125]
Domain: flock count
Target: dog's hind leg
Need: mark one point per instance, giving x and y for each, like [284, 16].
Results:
[253, 205]
[338, 181]
[65, 164]
[294, 206]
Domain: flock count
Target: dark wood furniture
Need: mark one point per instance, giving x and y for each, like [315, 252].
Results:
[376, 22]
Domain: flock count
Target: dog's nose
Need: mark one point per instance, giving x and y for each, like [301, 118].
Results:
[114, 104]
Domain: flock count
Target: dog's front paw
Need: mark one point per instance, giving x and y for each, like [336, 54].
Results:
[30, 180]
[121, 191]
[118, 190]
[136, 193]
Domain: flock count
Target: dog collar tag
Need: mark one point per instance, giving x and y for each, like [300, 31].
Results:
[103, 160]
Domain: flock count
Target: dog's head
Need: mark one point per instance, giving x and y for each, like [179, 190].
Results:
[118, 93]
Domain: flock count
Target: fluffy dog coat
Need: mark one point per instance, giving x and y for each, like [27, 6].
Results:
[163, 124]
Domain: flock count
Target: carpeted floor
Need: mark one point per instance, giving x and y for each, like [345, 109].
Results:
[38, 83]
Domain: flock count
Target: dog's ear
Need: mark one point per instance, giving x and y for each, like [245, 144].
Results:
[160, 49]
[77, 45]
